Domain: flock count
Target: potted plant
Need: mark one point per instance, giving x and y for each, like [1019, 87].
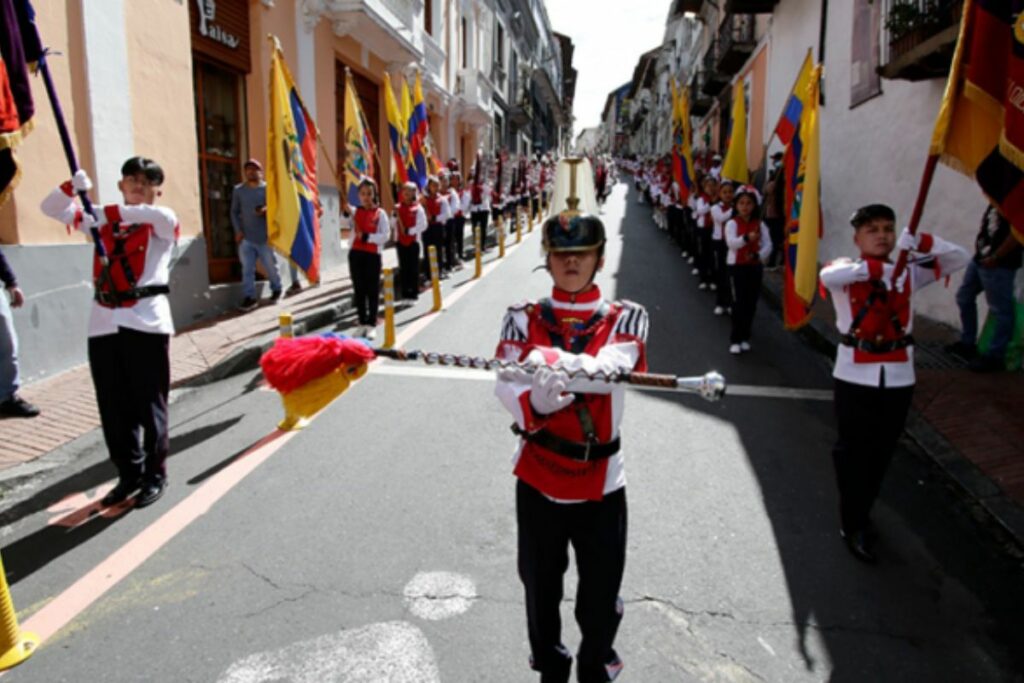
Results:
[909, 23]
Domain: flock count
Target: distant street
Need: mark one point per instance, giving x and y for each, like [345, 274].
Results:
[379, 544]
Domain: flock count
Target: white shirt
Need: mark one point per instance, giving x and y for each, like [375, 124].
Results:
[151, 314]
[838, 275]
[719, 216]
[485, 198]
[466, 199]
[735, 242]
[615, 357]
[380, 237]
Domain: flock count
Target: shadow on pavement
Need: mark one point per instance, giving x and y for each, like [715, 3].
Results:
[904, 619]
[85, 516]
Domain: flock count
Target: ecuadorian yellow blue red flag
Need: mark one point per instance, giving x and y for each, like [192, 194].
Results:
[359, 148]
[735, 166]
[293, 199]
[808, 196]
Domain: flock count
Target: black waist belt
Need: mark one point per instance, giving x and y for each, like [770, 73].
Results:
[133, 294]
[876, 347]
[583, 452]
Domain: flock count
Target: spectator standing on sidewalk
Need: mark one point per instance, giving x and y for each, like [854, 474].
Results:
[997, 258]
[11, 405]
[249, 220]
[774, 201]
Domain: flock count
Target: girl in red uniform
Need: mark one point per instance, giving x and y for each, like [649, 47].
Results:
[571, 481]
[749, 245]
[371, 230]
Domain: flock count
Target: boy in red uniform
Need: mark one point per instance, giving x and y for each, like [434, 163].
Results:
[874, 370]
[409, 222]
[131, 324]
[571, 482]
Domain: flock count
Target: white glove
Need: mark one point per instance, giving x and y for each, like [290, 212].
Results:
[80, 181]
[908, 241]
[520, 375]
[887, 271]
[88, 221]
[547, 393]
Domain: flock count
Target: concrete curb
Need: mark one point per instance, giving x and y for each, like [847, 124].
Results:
[966, 479]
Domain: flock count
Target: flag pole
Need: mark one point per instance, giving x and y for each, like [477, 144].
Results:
[915, 217]
[69, 150]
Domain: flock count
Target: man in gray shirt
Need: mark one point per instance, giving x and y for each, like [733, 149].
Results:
[249, 220]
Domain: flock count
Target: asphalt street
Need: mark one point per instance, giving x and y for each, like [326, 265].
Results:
[378, 544]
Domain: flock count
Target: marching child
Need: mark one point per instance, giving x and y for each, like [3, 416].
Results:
[437, 217]
[446, 248]
[409, 222]
[130, 325]
[370, 232]
[705, 264]
[720, 214]
[571, 482]
[749, 244]
[456, 241]
[874, 369]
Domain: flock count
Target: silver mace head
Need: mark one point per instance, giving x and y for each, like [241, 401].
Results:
[710, 386]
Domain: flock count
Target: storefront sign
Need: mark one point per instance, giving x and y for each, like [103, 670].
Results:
[220, 29]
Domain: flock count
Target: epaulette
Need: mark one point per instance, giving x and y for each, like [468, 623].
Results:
[525, 305]
[626, 303]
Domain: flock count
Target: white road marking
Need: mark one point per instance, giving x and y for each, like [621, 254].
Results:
[731, 391]
[439, 595]
[395, 651]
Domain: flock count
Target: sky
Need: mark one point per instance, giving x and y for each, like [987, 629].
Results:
[610, 36]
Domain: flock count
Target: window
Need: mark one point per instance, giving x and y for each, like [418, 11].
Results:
[428, 16]
[220, 132]
[499, 46]
[465, 43]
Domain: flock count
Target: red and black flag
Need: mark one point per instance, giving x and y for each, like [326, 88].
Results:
[20, 48]
[980, 128]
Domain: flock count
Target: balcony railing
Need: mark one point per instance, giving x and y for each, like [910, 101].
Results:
[713, 79]
[750, 6]
[736, 42]
[918, 38]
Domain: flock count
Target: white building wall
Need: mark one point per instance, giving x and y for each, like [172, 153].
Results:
[876, 151]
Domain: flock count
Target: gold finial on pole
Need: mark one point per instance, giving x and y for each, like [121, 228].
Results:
[572, 203]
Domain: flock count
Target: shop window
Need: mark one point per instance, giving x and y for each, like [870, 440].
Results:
[220, 93]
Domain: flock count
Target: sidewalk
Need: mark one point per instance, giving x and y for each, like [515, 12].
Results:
[971, 425]
[204, 352]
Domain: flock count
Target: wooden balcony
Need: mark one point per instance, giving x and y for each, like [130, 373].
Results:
[924, 46]
[700, 101]
[713, 80]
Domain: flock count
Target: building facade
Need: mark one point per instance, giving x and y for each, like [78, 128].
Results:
[186, 83]
[881, 95]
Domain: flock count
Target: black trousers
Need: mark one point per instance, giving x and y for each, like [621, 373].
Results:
[364, 268]
[775, 229]
[597, 532]
[535, 206]
[131, 372]
[674, 214]
[870, 421]
[409, 270]
[723, 293]
[746, 288]
[433, 237]
[457, 243]
[479, 219]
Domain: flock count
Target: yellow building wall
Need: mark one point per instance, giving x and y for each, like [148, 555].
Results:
[41, 156]
[163, 102]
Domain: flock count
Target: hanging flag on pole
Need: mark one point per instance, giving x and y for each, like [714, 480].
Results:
[411, 169]
[293, 199]
[397, 135]
[359, 148]
[20, 48]
[682, 154]
[735, 165]
[796, 312]
[980, 127]
[807, 203]
[418, 126]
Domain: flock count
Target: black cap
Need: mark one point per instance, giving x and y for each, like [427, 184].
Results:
[871, 212]
[566, 233]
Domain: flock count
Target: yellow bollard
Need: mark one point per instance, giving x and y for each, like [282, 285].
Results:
[477, 243]
[15, 645]
[284, 323]
[519, 226]
[531, 218]
[500, 229]
[435, 280]
[389, 308]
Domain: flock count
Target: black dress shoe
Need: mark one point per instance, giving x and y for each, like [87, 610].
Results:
[121, 492]
[859, 546]
[150, 493]
[16, 406]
